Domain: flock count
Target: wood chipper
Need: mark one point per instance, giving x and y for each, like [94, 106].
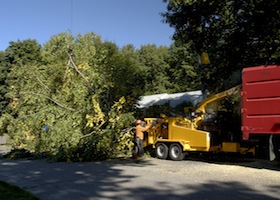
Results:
[175, 136]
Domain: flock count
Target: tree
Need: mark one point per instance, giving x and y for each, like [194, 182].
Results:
[4, 68]
[56, 105]
[23, 52]
[155, 68]
[125, 74]
[235, 34]
[57, 48]
[183, 68]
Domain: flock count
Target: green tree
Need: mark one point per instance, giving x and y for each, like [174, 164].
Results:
[19, 54]
[235, 34]
[183, 68]
[56, 106]
[23, 52]
[155, 68]
[125, 74]
[57, 48]
[4, 68]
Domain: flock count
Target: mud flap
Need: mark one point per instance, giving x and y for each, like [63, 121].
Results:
[272, 155]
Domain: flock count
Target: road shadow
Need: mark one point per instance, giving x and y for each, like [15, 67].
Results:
[206, 191]
[110, 180]
[60, 180]
[225, 190]
[238, 160]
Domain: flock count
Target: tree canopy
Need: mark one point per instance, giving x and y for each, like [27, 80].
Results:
[66, 99]
[4, 67]
[235, 33]
[74, 98]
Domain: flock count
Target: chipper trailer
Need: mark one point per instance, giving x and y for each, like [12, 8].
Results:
[173, 137]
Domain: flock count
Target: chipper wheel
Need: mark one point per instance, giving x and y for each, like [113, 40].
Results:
[175, 152]
[161, 150]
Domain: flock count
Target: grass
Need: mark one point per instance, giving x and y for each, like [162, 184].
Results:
[11, 192]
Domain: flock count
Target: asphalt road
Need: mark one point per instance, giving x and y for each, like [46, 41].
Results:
[151, 178]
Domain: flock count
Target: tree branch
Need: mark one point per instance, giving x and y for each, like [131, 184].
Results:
[53, 100]
[25, 116]
[66, 71]
[77, 70]
[46, 87]
[89, 134]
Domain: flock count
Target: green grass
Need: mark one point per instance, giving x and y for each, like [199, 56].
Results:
[11, 192]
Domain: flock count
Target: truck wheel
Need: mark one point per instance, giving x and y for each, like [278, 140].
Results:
[161, 150]
[175, 152]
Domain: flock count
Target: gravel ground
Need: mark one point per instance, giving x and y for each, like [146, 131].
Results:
[149, 178]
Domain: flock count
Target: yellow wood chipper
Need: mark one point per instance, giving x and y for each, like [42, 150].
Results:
[173, 137]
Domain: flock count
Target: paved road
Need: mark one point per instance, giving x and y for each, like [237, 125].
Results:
[149, 179]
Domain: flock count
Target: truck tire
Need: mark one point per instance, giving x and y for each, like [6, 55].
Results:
[175, 152]
[161, 150]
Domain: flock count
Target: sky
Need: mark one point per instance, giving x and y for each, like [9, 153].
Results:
[136, 22]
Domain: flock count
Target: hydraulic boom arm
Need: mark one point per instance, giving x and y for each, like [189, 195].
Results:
[203, 104]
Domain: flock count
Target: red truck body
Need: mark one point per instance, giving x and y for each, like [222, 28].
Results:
[260, 100]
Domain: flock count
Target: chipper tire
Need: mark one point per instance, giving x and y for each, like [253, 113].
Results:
[176, 152]
[161, 151]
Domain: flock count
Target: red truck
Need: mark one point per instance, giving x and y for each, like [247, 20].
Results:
[261, 107]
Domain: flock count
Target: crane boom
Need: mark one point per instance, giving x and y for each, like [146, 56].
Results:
[203, 104]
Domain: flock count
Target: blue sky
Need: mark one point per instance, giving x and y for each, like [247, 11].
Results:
[123, 22]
